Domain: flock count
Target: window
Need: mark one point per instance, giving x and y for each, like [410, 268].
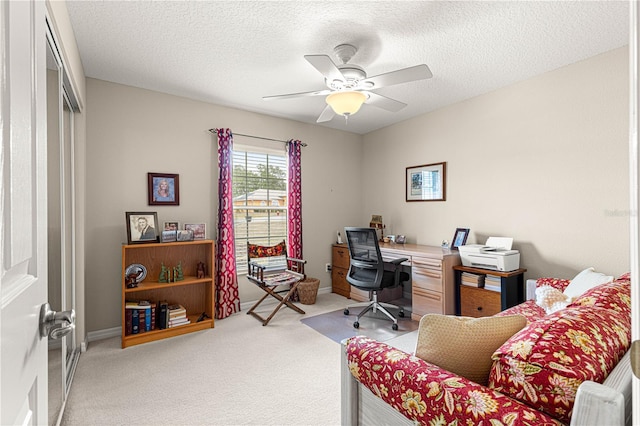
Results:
[259, 200]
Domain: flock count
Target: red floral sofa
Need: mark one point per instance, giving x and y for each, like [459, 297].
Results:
[562, 368]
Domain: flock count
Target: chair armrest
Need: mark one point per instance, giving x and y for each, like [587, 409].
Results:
[423, 392]
[296, 260]
[397, 262]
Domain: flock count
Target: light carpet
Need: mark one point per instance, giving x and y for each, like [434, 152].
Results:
[238, 373]
[337, 326]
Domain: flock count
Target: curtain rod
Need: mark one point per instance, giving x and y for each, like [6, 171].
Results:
[257, 137]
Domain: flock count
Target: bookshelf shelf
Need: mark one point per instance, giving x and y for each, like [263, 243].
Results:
[195, 294]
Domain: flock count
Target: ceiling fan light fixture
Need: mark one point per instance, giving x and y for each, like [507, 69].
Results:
[346, 103]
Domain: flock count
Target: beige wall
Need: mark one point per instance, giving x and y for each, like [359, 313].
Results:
[132, 131]
[544, 161]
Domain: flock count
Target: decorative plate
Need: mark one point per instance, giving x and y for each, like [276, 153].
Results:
[137, 271]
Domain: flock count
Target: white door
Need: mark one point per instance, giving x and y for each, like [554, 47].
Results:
[23, 211]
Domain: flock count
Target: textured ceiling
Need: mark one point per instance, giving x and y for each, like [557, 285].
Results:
[233, 53]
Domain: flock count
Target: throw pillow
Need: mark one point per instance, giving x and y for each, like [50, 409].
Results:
[584, 281]
[551, 299]
[464, 345]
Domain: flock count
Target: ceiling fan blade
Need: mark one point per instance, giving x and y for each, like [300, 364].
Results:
[298, 95]
[384, 102]
[326, 115]
[325, 66]
[405, 75]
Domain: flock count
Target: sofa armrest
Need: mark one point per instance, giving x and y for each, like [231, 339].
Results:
[423, 392]
[607, 403]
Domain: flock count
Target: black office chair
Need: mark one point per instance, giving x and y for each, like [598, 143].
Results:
[367, 272]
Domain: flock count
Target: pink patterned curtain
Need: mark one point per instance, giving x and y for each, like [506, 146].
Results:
[227, 297]
[294, 199]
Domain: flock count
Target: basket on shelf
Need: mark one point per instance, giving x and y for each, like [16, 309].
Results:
[308, 290]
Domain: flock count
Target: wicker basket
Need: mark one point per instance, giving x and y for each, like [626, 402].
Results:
[308, 290]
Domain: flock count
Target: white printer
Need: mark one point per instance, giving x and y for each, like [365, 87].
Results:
[495, 255]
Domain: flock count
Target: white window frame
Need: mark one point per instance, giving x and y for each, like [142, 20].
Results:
[273, 210]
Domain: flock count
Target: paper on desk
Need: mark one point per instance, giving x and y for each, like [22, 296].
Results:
[500, 242]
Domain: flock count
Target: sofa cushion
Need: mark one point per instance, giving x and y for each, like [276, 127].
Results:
[528, 309]
[464, 345]
[543, 364]
[585, 280]
[551, 299]
[429, 395]
[558, 283]
[615, 295]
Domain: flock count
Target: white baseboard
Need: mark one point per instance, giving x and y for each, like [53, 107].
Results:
[108, 333]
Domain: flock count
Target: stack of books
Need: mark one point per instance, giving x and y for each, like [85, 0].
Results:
[472, 280]
[139, 317]
[492, 283]
[177, 315]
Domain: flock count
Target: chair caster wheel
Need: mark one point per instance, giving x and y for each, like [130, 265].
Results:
[356, 324]
[394, 327]
[401, 314]
[346, 312]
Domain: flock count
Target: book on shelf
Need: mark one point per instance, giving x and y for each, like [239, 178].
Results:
[162, 315]
[138, 317]
[472, 280]
[179, 321]
[176, 311]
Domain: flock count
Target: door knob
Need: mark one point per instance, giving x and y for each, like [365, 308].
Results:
[56, 324]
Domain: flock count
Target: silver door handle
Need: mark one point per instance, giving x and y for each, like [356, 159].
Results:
[56, 324]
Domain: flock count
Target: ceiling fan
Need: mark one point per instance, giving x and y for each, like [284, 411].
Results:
[348, 86]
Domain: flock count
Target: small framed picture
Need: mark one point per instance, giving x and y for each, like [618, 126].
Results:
[142, 227]
[184, 235]
[459, 238]
[199, 230]
[169, 236]
[163, 189]
[171, 226]
[400, 239]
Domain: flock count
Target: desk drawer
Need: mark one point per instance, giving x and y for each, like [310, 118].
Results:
[339, 282]
[340, 257]
[426, 302]
[478, 302]
[426, 273]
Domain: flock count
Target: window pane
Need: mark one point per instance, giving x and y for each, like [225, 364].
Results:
[260, 201]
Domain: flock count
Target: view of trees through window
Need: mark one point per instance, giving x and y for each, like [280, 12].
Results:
[259, 201]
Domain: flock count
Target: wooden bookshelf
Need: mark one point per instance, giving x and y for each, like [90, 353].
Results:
[195, 294]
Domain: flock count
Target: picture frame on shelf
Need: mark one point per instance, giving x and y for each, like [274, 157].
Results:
[427, 182]
[184, 235]
[142, 227]
[169, 236]
[400, 239]
[171, 225]
[459, 238]
[163, 189]
[199, 230]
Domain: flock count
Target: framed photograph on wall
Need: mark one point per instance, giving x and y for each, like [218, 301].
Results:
[427, 182]
[142, 227]
[459, 238]
[199, 230]
[163, 189]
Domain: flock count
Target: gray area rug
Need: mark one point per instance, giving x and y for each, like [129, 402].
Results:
[337, 326]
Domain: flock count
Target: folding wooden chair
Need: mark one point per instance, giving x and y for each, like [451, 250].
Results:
[276, 274]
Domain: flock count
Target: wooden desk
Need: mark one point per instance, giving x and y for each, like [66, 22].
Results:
[432, 277]
[512, 290]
